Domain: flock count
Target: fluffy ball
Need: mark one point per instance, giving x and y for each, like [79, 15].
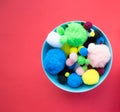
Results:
[100, 71]
[66, 49]
[75, 35]
[81, 60]
[54, 61]
[60, 30]
[53, 39]
[69, 62]
[74, 80]
[83, 51]
[73, 56]
[99, 55]
[62, 79]
[90, 77]
[79, 70]
[100, 40]
[88, 25]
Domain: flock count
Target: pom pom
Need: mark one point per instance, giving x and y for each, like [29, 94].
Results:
[62, 79]
[73, 49]
[83, 51]
[99, 55]
[100, 40]
[74, 80]
[75, 34]
[53, 39]
[79, 71]
[87, 61]
[88, 25]
[67, 74]
[60, 30]
[66, 49]
[90, 77]
[73, 56]
[92, 33]
[54, 61]
[85, 67]
[98, 33]
[100, 71]
[81, 60]
[80, 47]
[69, 62]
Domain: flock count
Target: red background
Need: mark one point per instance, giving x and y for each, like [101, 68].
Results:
[24, 25]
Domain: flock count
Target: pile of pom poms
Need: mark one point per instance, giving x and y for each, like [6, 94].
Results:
[78, 54]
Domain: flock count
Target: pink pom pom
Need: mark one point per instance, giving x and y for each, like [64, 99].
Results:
[73, 56]
[99, 56]
[69, 62]
[79, 71]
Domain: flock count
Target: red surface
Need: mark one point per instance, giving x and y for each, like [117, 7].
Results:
[24, 25]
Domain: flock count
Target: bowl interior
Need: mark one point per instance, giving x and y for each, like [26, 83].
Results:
[82, 88]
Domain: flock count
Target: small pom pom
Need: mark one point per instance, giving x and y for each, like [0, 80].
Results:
[87, 61]
[74, 80]
[80, 47]
[100, 71]
[88, 25]
[83, 51]
[60, 30]
[67, 74]
[92, 33]
[100, 40]
[73, 49]
[98, 33]
[62, 79]
[90, 77]
[53, 39]
[81, 60]
[69, 62]
[79, 71]
[85, 67]
[73, 56]
[54, 61]
[66, 49]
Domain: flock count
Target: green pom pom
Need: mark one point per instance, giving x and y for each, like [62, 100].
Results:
[87, 61]
[76, 34]
[60, 30]
[85, 67]
[81, 60]
[63, 39]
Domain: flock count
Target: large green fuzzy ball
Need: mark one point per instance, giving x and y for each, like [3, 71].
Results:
[75, 35]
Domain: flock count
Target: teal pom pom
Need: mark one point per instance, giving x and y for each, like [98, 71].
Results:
[74, 80]
[76, 35]
[54, 61]
[84, 51]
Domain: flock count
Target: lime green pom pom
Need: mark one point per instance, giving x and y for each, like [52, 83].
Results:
[60, 30]
[85, 67]
[81, 60]
[66, 49]
[76, 35]
[90, 77]
[87, 61]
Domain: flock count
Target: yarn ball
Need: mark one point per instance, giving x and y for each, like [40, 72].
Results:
[79, 70]
[90, 77]
[54, 61]
[60, 30]
[100, 40]
[100, 70]
[66, 49]
[99, 55]
[87, 25]
[75, 34]
[62, 79]
[83, 51]
[81, 60]
[73, 56]
[53, 39]
[74, 80]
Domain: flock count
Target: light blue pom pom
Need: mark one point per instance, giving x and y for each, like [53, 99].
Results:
[74, 80]
[54, 61]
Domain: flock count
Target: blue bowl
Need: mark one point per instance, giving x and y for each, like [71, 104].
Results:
[82, 88]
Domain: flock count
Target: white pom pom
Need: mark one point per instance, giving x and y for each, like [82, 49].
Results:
[53, 39]
[91, 47]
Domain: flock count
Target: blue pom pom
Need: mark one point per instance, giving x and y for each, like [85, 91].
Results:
[54, 61]
[74, 80]
[100, 40]
[83, 51]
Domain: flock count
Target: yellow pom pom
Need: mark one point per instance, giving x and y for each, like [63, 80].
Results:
[73, 49]
[92, 34]
[80, 48]
[67, 74]
[90, 77]
[66, 49]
